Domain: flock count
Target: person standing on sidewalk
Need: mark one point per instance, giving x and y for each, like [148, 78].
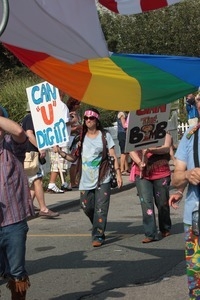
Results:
[185, 173]
[59, 166]
[191, 109]
[121, 136]
[16, 205]
[153, 177]
[94, 173]
[35, 181]
[76, 127]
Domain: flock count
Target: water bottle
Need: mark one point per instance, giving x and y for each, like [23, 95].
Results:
[195, 219]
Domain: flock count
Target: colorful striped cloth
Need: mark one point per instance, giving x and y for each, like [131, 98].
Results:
[62, 42]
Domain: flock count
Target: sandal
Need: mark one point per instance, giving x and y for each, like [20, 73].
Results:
[148, 240]
[125, 173]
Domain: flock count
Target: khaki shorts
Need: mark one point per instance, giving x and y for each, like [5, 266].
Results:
[57, 163]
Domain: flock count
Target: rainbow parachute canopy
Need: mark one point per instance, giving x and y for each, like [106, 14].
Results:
[62, 41]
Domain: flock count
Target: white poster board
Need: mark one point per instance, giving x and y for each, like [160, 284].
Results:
[49, 115]
[147, 127]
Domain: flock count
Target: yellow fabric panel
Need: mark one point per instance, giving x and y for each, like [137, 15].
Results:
[110, 85]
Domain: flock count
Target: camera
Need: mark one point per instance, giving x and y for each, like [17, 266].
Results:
[42, 160]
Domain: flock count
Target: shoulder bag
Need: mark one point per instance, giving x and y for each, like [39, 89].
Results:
[31, 163]
[111, 162]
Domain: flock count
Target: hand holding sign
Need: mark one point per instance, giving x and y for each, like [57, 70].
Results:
[147, 128]
[49, 115]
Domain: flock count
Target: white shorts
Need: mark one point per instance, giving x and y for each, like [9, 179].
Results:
[31, 179]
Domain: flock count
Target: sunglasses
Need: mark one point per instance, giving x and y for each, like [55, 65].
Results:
[89, 118]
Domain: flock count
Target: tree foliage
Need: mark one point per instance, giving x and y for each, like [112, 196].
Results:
[172, 31]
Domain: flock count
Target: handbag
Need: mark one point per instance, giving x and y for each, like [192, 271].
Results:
[31, 163]
[113, 177]
[111, 162]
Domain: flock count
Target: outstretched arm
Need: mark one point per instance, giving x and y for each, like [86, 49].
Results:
[68, 156]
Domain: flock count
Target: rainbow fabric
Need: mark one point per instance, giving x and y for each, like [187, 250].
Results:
[121, 81]
[53, 39]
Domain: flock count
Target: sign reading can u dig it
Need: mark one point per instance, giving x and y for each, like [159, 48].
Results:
[147, 127]
[49, 115]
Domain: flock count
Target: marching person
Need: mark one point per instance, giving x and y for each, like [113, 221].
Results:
[94, 173]
[76, 127]
[121, 135]
[16, 206]
[186, 173]
[35, 181]
[153, 177]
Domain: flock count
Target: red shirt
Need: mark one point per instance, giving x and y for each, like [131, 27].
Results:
[157, 166]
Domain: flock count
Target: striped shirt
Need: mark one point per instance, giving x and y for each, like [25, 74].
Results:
[15, 199]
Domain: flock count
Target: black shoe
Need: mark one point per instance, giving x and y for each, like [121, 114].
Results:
[65, 188]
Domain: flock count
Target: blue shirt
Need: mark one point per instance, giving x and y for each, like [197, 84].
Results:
[185, 154]
[120, 128]
[192, 111]
[91, 160]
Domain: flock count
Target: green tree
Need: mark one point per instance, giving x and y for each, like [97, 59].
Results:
[173, 30]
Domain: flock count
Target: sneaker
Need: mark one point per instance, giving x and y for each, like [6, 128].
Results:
[48, 214]
[54, 190]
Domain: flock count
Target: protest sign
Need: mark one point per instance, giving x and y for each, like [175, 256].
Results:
[147, 127]
[49, 115]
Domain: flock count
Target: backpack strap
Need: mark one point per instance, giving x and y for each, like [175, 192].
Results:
[195, 149]
[196, 163]
[104, 166]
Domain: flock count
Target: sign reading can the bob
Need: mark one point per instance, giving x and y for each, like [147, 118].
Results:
[147, 127]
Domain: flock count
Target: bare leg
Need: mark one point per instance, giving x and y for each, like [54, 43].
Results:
[37, 191]
[122, 162]
[37, 187]
[126, 162]
[53, 177]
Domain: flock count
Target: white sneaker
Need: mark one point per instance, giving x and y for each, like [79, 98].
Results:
[54, 190]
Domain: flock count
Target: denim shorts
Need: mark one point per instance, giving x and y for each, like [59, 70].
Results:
[13, 249]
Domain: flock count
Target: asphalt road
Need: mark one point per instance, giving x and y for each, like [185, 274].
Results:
[63, 265]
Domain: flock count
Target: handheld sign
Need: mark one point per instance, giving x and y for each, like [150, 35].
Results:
[49, 115]
[147, 127]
